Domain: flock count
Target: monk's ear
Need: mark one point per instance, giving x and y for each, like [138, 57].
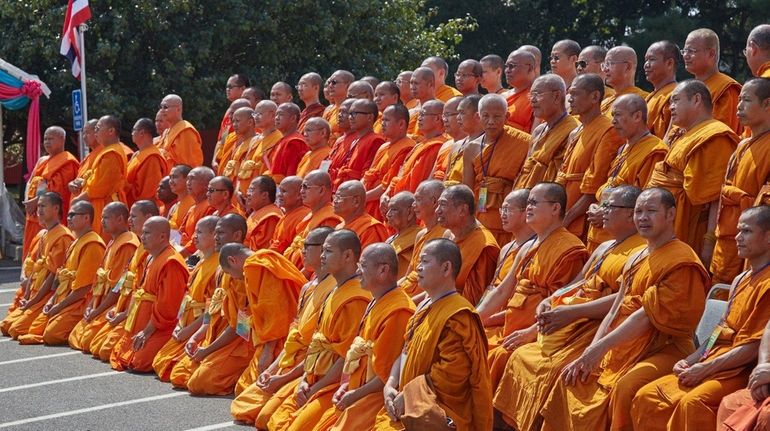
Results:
[765, 104]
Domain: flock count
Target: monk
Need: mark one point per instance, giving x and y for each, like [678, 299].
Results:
[701, 59]
[241, 140]
[360, 90]
[290, 149]
[165, 196]
[401, 218]
[590, 60]
[440, 70]
[220, 194]
[234, 88]
[358, 157]
[422, 85]
[568, 319]
[386, 94]
[338, 84]
[350, 205]
[342, 144]
[308, 90]
[316, 134]
[277, 382]
[758, 51]
[695, 166]
[262, 153]
[371, 80]
[73, 282]
[85, 170]
[289, 200]
[425, 204]
[490, 165]
[376, 347]
[456, 209]
[161, 126]
[470, 122]
[389, 157]
[280, 93]
[182, 142]
[48, 258]
[403, 81]
[538, 56]
[445, 357]
[223, 151]
[468, 77]
[689, 398]
[455, 133]
[590, 150]
[520, 72]
[106, 183]
[491, 74]
[564, 54]
[146, 167]
[660, 64]
[549, 139]
[105, 339]
[648, 329]
[264, 214]
[109, 276]
[338, 324]
[316, 192]
[620, 73]
[177, 182]
[52, 173]
[197, 186]
[747, 173]
[200, 288]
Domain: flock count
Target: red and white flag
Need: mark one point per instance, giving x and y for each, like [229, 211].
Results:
[78, 12]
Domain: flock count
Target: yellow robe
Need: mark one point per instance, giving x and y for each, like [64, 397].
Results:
[445, 92]
[724, 98]
[609, 100]
[659, 110]
[403, 243]
[479, 252]
[546, 153]
[181, 144]
[409, 282]
[257, 160]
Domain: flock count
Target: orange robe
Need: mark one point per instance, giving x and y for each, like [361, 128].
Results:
[286, 156]
[505, 265]
[114, 264]
[670, 286]
[27, 269]
[51, 174]
[106, 183]
[543, 269]
[520, 113]
[369, 229]
[445, 92]
[442, 160]
[187, 228]
[225, 151]
[693, 171]
[403, 243]
[587, 163]
[409, 282]
[231, 164]
[259, 159]
[449, 347]
[411, 128]
[202, 282]
[546, 152]
[286, 229]
[454, 165]
[659, 110]
[479, 252]
[86, 165]
[532, 369]
[83, 258]
[312, 160]
[495, 169]
[358, 157]
[330, 115]
[417, 165]
[182, 145]
[387, 161]
[179, 210]
[261, 226]
[609, 100]
[310, 111]
[323, 217]
[144, 172]
[724, 97]
[339, 150]
[157, 299]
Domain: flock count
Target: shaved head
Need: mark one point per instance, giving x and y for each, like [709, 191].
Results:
[760, 36]
[534, 51]
[492, 60]
[312, 78]
[626, 194]
[433, 107]
[707, 36]
[551, 82]
[518, 197]
[353, 188]
[84, 207]
[424, 74]
[445, 250]
[57, 131]
[553, 192]
[146, 207]
[461, 194]
[319, 235]
[360, 90]
[568, 46]
[760, 215]
[623, 53]
[345, 240]
[381, 252]
[432, 188]
[590, 82]
[208, 223]
[632, 103]
[118, 209]
[240, 103]
[436, 63]
[595, 52]
[492, 100]
[319, 178]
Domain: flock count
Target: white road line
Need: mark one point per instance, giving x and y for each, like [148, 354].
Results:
[53, 382]
[214, 426]
[35, 358]
[5, 340]
[9, 290]
[5, 305]
[90, 409]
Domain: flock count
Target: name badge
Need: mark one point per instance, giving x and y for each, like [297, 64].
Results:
[325, 164]
[119, 284]
[243, 327]
[483, 199]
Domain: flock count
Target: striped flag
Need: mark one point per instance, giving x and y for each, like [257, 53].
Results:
[78, 12]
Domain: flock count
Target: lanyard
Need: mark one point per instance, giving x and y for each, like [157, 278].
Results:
[326, 300]
[302, 300]
[370, 306]
[416, 322]
[485, 166]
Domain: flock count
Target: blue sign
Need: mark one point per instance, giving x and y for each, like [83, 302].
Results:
[77, 110]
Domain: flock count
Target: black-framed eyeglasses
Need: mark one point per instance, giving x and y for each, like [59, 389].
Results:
[581, 64]
[212, 190]
[534, 203]
[607, 206]
[231, 86]
[355, 113]
[72, 214]
[306, 187]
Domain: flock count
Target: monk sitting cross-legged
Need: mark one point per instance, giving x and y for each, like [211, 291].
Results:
[288, 198]
[264, 214]
[350, 205]
[401, 218]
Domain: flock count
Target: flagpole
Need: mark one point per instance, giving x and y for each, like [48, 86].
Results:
[82, 28]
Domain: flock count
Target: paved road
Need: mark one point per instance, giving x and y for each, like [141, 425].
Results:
[57, 388]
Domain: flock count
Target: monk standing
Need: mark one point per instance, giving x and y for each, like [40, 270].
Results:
[264, 215]
[316, 134]
[290, 149]
[401, 218]
[620, 72]
[241, 140]
[182, 142]
[197, 185]
[308, 90]
[440, 70]
[262, 151]
[85, 170]
[146, 167]
[385, 94]
[468, 77]
[520, 72]
[403, 82]
[338, 84]
[590, 60]
[234, 88]
[564, 54]
[288, 198]
[758, 51]
[364, 145]
[177, 182]
[281, 93]
[491, 74]
[660, 64]
[470, 122]
[350, 204]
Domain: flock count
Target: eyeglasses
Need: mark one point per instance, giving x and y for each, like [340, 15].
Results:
[465, 75]
[608, 64]
[689, 51]
[425, 114]
[355, 113]
[449, 114]
[312, 130]
[307, 245]
[212, 190]
[608, 206]
[305, 187]
[534, 203]
[338, 197]
[72, 214]
[508, 210]
[581, 64]
[538, 95]
[231, 86]
[746, 51]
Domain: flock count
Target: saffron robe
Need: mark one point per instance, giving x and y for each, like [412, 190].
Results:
[358, 157]
[479, 252]
[409, 282]
[286, 229]
[311, 160]
[310, 111]
[369, 229]
[520, 113]
[546, 153]
[417, 166]
[724, 98]
[323, 217]
[387, 161]
[145, 170]
[659, 110]
[261, 226]
[609, 100]
[106, 183]
[286, 156]
[403, 243]
[181, 145]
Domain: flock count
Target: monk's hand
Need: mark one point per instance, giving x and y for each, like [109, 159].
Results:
[760, 393]
[595, 215]
[398, 406]
[389, 394]
[339, 394]
[272, 384]
[384, 199]
[557, 319]
[680, 367]
[695, 374]
[47, 308]
[760, 376]
[200, 355]
[303, 393]
[520, 337]
[139, 339]
[583, 366]
[23, 304]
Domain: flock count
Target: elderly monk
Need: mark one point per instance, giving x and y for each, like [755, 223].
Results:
[695, 166]
[220, 196]
[276, 383]
[197, 185]
[492, 74]
[161, 126]
[73, 283]
[648, 329]
[520, 72]
[590, 60]
[350, 204]
[688, 399]
[200, 289]
[289, 200]
[243, 139]
[85, 170]
[470, 122]
[105, 339]
[468, 77]
[747, 173]
[568, 319]
[425, 202]
[549, 139]
[338, 84]
[338, 324]
[364, 145]
[401, 218]
[263, 152]
[106, 182]
[165, 196]
[182, 142]
[146, 167]
[491, 164]
[52, 173]
[758, 51]
[280, 93]
[444, 354]
[590, 150]
[360, 90]
[701, 59]
[316, 134]
[633, 163]
[339, 149]
[620, 73]
[403, 81]
[376, 347]
[290, 149]
[109, 276]
[564, 55]
[440, 70]
[309, 90]
[545, 265]
[264, 214]
[48, 257]
[660, 64]
[422, 85]
[316, 192]
[389, 157]
[454, 130]
[456, 210]
[386, 94]
[153, 314]
[177, 181]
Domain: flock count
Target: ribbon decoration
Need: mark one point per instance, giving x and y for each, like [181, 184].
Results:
[16, 94]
